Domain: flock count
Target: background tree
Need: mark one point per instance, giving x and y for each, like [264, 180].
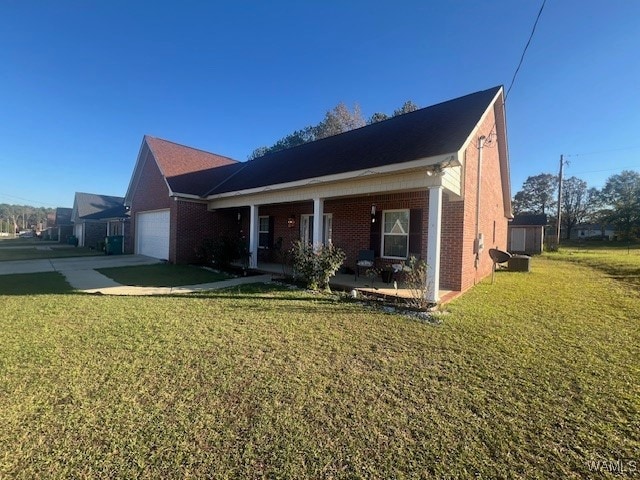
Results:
[621, 198]
[377, 117]
[23, 217]
[406, 107]
[337, 120]
[537, 194]
[576, 203]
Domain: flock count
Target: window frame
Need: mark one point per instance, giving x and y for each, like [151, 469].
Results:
[383, 235]
[263, 232]
[306, 219]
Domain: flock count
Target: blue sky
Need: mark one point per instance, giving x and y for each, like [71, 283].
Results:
[82, 81]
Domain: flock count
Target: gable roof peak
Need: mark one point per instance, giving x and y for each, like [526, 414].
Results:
[174, 159]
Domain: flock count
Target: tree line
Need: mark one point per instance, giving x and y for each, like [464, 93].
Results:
[617, 203]
[14, 218]
[337, 120]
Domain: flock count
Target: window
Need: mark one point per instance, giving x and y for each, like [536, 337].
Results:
[306, 228]
[114, 228]
[263, 232]
[395, 233]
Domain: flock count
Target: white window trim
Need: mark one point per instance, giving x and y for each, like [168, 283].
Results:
[327, 221]
[382, 234]
[262, 231]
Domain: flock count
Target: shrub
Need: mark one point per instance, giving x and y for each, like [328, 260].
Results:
[222, 251]
[317, 265]
[416, 281]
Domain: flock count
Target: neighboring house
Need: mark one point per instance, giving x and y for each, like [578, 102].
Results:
[592, 231]
[432, 183]
[62, 226]
[95, 217]
[526, 234]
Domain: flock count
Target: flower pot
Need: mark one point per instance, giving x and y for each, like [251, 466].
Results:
[387, 276]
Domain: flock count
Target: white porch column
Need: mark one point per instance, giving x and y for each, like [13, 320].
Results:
[253, 236]
[433, 243]
[318, 217]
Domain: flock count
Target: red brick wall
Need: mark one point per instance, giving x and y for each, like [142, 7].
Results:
[491, 207]
[191, 223]
[94, 233]
[451, 244]
[151, 193]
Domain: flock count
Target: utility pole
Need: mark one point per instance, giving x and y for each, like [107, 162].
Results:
[559, 201]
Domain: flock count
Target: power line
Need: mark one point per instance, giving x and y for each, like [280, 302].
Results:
[603, 151]
[607, 169]
[533, 30]
[27, 200]
[490, 142]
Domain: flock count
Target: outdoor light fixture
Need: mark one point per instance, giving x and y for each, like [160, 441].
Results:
[435, 170]
[291, 221]
[373, 214]
[239, 217]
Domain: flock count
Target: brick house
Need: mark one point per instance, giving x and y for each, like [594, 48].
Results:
[62, 226]
[95, 217]
[169, 216]
[432, 183]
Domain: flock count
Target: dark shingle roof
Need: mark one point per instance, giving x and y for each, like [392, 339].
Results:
[91, 206]
[424, 133]
[529, 220]
[199, 183]
[63, 216]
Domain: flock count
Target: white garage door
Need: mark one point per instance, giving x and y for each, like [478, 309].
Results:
[152, 234]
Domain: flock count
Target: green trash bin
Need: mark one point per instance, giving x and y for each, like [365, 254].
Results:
[72, 240]
[113, 245]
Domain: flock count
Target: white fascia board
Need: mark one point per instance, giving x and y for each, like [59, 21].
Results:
[135, 175]
[143, 157]
[405, 181]
[450, 158]
[187, 197]
[74, 210]
[474, 132]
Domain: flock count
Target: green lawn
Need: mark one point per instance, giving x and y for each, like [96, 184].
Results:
[535, 376]
[30, 252]
[33, 284]
[621, 262]
[162, 275]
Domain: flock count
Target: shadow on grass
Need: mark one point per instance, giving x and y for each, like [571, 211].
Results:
[45, 283]
[162, 275]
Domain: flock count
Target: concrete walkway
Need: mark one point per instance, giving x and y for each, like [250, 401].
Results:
[110, 287]
[81, 274]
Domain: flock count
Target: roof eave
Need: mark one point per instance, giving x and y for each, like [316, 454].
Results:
[445, 160]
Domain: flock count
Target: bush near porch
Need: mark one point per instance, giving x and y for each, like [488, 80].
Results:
[528, 378]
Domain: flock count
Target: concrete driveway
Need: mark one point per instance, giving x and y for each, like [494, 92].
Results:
[73, 264]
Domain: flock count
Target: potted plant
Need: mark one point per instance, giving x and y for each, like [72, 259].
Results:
[387, 274]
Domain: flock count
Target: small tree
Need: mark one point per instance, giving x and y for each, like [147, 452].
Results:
[317, 265]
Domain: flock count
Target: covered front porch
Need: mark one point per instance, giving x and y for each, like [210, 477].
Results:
[396, 215]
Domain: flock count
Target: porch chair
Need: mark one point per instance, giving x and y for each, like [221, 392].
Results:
[365, 260]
